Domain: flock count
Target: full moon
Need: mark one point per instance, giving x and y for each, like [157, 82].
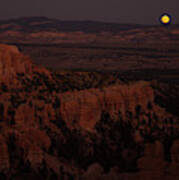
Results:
[165, 19]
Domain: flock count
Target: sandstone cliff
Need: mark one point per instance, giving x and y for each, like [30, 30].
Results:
[117, 130]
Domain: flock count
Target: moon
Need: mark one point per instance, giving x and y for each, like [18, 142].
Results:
[165, 19]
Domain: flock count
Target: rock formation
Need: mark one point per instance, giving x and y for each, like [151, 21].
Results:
[116, 131]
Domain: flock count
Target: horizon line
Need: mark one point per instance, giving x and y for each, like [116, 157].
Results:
[82, 20]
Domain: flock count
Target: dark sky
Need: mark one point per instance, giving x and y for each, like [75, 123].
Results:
[122, 11]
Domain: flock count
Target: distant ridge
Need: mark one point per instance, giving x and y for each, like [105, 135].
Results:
[30, 24]
[43, 30]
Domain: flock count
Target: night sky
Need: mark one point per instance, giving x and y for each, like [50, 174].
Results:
[122, 11]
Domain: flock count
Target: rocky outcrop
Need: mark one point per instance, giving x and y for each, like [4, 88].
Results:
[11, 63]
[13, 49]
[85, 107]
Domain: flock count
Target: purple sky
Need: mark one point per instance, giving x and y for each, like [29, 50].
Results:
[122, 11]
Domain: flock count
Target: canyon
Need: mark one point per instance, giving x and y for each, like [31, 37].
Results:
[84, 125]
